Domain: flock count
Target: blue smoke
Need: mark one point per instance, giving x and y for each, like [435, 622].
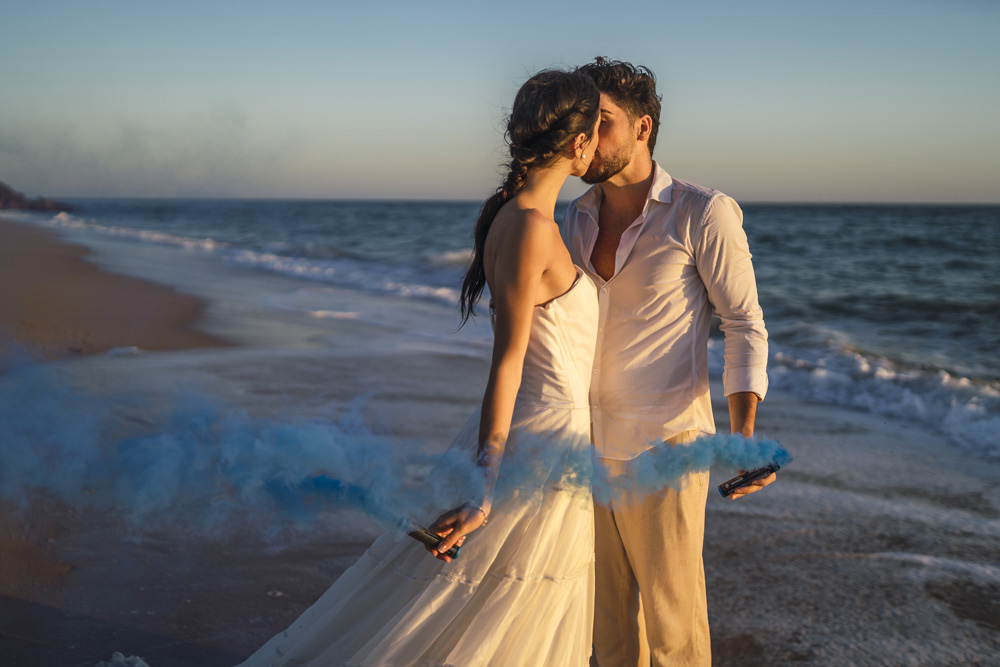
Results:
[215, 472]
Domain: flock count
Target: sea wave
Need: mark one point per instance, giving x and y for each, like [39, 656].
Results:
[402, 281]
[68, 221]
[431, 280]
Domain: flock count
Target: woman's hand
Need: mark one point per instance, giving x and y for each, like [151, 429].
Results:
[453, 526]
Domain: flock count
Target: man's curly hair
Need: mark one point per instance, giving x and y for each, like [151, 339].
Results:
[632, 88]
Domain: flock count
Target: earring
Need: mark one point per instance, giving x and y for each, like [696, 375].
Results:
[583, 156]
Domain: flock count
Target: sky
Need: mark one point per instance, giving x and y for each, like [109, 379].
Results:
[876, 101]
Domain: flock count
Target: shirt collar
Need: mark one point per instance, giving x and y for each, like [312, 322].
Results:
[590, 201]
[661, 190]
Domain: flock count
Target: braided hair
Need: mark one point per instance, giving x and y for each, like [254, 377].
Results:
[550, 110]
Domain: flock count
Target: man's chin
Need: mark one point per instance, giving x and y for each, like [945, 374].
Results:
[603, 172]
[594, 176]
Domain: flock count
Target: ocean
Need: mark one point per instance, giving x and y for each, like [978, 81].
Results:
[892, 309]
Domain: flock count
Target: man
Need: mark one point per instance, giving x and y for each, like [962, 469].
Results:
[664, 254]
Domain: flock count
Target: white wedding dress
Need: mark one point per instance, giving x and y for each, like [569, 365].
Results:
[521, 592]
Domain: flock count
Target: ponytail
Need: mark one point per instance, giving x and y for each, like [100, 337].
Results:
[550, 110]
[475, 276]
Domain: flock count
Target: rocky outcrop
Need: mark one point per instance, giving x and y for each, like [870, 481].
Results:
[12, 199]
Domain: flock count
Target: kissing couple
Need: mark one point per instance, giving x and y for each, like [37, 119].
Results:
[600, 341]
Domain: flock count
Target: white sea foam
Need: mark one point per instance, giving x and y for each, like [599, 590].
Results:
[453, 258]
[68, 221]
[966, 411]
[333, 315]
[123, 351]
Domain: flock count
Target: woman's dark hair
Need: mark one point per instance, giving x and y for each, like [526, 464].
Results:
[550, 110]
[632, 88]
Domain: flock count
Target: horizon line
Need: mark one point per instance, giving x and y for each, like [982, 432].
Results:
[443, 200]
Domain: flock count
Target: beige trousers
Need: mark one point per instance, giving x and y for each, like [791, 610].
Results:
[650, 605]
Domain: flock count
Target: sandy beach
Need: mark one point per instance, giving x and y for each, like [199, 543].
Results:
[878, 546]
[56, 304]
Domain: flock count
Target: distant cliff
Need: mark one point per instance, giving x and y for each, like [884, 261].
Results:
[11, 198]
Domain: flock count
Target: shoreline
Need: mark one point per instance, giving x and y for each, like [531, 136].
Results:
[55, 304]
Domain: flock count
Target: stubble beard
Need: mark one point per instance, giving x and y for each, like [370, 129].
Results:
[602, 168]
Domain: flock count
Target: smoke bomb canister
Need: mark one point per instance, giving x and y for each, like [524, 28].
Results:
[749, 477]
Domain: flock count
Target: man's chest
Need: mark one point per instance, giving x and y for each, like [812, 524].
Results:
[603, 256]
[640, 248]
[616, 232]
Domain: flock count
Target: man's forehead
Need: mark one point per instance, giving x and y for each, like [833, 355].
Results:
[608, 105]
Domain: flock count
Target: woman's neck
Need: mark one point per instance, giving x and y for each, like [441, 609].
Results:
[542, 189]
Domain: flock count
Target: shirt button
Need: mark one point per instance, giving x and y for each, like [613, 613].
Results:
[600, 330]
[593, 407]
[596, 371]
[604, 290]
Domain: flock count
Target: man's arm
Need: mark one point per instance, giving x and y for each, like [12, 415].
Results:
[743, 412]
[724, 262]
[723, 258]
[742, 417]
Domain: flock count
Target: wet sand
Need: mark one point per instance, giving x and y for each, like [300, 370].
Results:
[55, 304]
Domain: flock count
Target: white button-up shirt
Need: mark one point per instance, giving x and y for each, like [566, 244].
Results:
[686, 255]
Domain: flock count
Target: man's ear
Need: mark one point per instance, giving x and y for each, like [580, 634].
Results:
[644, 126]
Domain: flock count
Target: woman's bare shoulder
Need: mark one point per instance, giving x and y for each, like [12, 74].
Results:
[519, 222]
[522, 233]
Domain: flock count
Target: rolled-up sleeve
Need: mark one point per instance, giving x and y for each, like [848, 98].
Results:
[722, 255]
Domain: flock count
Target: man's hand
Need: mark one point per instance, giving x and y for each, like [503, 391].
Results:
[752, 487]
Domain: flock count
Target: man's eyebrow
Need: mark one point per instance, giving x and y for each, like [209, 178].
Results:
[603, 110]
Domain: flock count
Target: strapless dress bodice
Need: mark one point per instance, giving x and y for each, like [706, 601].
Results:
[559, 359]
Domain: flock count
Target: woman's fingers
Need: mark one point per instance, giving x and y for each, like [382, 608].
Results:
[442, 549]
[444, 534]
[450, 540]
[454, 529]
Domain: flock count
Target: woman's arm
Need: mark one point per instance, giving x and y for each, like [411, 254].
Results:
[522, 256]
[520, 263]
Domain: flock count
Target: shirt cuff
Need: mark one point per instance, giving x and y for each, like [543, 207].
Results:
[745, 379]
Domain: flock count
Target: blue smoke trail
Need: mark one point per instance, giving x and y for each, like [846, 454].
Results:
[212, 472]
[664, 465]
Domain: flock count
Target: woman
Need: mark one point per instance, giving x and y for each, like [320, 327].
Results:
[522, 591]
